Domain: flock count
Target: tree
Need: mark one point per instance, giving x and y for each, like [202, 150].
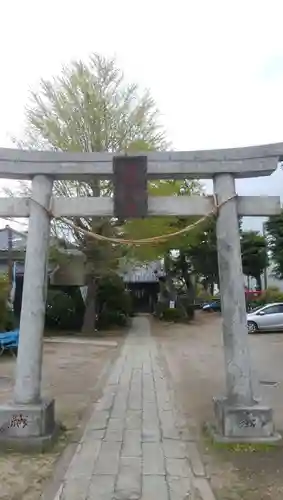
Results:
[162, 226]
[274, 227]
[89, 107]
[202, 253]
[254, 255]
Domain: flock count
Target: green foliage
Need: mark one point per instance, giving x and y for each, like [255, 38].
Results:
[89, 107]
[61, 311]
[6, 315]
[254, 254]
[174, 315]
[268, 296]
[108, 319]
[274, 228]
[159, 226]
[112, 296]
[203, 294]
[114, 302]
[65, 308]
[202, 252]
[272, 294]
[183, 311]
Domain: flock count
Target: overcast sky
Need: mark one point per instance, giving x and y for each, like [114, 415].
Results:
[215, 67]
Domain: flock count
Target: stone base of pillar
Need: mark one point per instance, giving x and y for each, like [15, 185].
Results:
[28, 426]
[243, 424]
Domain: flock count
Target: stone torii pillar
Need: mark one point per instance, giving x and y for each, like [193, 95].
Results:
[28, 421]
[239, 416]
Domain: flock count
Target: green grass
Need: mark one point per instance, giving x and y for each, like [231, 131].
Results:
[239, 447]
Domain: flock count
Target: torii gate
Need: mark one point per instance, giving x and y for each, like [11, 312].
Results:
[239, 416]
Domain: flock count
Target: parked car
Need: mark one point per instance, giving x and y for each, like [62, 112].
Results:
[268, 318]
[213, 306]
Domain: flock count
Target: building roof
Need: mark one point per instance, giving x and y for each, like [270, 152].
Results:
[142, 273]
[19, 239]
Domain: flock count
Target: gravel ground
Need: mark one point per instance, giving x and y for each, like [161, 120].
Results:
[194, 357]
[70, 374]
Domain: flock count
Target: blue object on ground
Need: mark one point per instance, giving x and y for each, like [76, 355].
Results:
[9, 340]
[212, 306]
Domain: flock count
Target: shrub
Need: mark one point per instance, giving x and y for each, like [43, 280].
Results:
[65, 307]
[204, 295]
[7, 321]
[272, 294]
[61, 311]
[111, 294]
[108, 319]
[174, 315]
[114, 304]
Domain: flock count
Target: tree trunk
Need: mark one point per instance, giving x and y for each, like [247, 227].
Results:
[258, 283]
[89, 321]
[169, 279]
[90, 308]
[187, 276]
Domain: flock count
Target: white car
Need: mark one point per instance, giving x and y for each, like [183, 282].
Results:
[268, 318]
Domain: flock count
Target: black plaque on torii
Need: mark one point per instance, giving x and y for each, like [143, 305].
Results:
[130, 187]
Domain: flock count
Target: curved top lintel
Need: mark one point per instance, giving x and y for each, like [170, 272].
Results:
[241, 162]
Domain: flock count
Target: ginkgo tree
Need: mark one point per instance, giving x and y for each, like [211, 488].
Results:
[90, 107]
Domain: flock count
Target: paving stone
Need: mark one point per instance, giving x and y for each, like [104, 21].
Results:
[131, 448]
[101, 488]
[153, 459]
[146, 367]
[179, 488]
[132, 444]
[204, 489]
[125, 378]
[120, 407]
[164, 401]
[115, 429]
[168, 426]
[178, 467]
[129, 480]
[115, 435]
[135, 397]
[154, 487]
[74, 489]
[150, 432]
[135, 401]
[82, 464]
[108, 459]
[195, 461]
[98, 420]
[174, 449]
[107, 400]
[149, 396]
[95, 435]
[133, 420]
[150, 410]
[116, 372]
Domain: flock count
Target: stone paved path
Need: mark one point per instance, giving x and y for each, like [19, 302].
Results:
[131, 448]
